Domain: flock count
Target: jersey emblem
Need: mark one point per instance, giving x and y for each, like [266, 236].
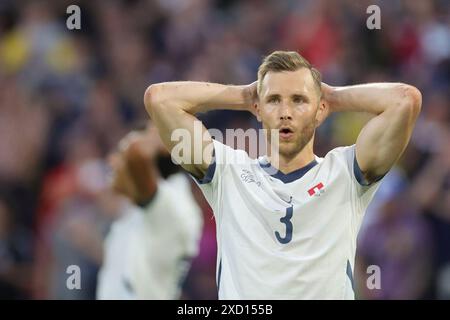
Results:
[317, 190]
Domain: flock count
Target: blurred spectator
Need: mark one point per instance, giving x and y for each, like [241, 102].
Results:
[15, 256]
[430, 192]
[399, 243]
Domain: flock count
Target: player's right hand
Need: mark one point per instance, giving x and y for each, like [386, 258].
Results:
[251, 96]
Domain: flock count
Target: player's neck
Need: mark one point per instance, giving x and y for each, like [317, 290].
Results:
[287, 164]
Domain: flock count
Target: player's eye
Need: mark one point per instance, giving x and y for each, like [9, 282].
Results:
[298, 100]
[273, 100]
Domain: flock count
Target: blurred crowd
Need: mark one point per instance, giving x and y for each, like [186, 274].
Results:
[68, 96]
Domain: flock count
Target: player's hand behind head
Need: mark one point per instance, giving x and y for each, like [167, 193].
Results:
[144, 144]
[251, 96]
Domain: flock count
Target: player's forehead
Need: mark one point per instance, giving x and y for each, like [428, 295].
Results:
[288, 82]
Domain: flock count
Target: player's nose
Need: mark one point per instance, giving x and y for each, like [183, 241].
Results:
[285, 112]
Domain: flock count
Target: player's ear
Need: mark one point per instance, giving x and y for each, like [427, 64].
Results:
[322, 112]
[257, 111]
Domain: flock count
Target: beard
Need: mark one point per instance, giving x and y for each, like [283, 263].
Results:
[290, 149]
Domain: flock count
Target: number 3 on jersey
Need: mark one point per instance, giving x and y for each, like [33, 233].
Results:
[286, 220]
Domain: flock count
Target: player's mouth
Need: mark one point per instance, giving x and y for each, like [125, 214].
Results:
[286, 133]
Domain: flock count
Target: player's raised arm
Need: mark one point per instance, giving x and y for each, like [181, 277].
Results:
[140, 152]
[173, 105]
[135, 173]
[384, 138]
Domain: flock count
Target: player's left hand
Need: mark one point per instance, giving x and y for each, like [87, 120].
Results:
[326, 99]
[327, 90]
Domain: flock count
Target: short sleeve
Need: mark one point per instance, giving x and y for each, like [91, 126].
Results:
[210, 184]
[363, 192]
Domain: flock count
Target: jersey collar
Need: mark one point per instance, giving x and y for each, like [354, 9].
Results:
[285, 177]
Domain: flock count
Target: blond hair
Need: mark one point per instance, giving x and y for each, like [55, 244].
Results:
[279, 61]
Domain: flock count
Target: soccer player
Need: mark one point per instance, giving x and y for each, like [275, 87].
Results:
[148, 250]
[288, 232]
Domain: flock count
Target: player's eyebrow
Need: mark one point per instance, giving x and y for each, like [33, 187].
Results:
[272, 96]
[300, 95]
[295, 95]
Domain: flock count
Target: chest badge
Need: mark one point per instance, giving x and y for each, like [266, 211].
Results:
[317, 190]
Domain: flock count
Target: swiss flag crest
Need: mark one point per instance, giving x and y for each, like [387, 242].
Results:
[316, 190]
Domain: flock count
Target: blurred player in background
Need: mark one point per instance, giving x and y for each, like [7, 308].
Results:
[148, 250]
[288, 232]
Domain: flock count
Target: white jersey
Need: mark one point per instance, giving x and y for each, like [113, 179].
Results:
[148, 250]
[285, 236]
[112, 283]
